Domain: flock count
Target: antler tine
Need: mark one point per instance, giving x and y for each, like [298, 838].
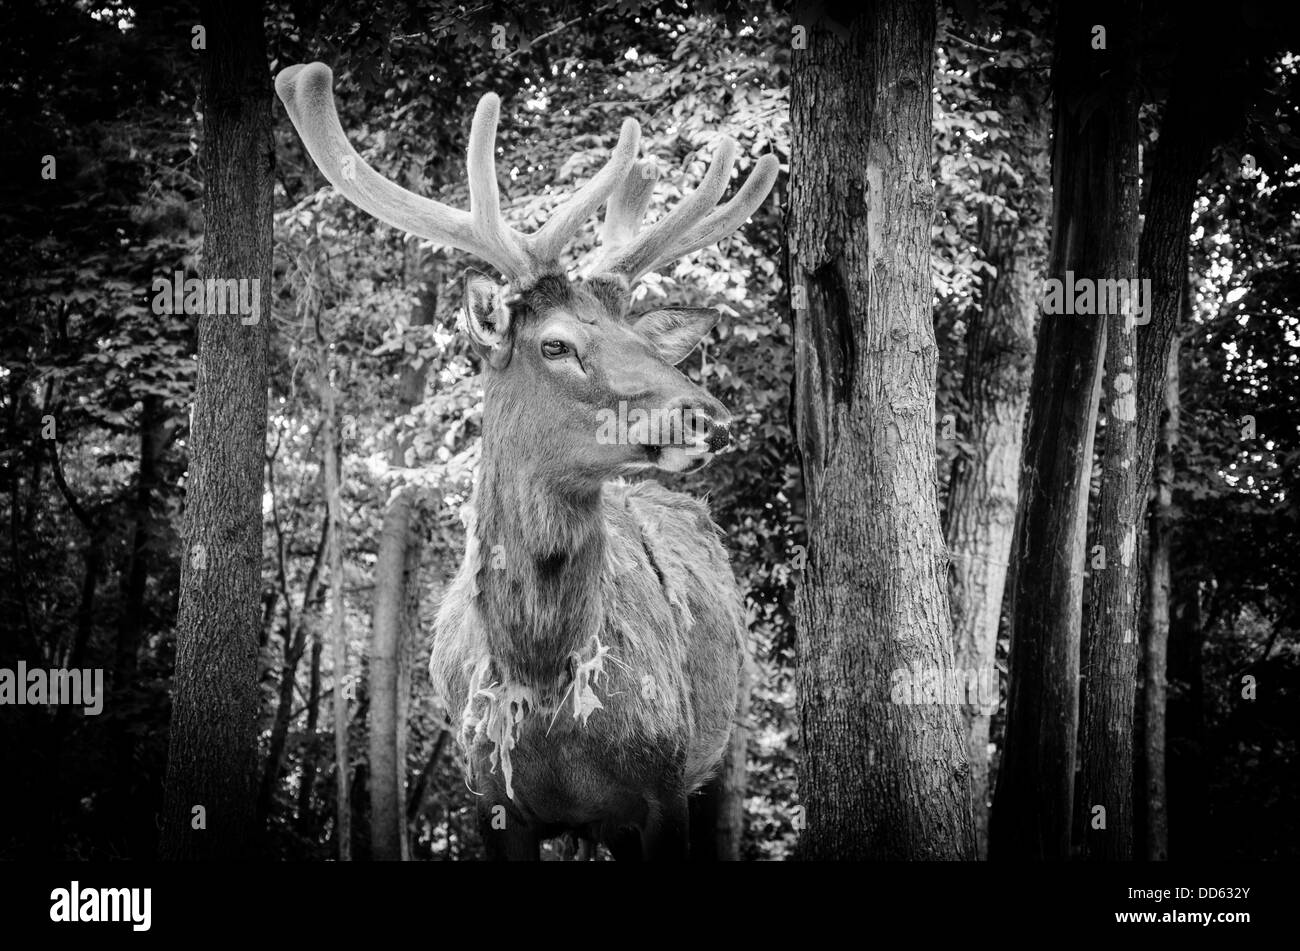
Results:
[638, 255]
[627, 205]
[308, 97]
[723, 221]
[550, 241]
[501, 241]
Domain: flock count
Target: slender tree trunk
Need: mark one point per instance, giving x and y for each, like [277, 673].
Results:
[136, 575]
[419, 789]
[1034, 799]
[1157, 648]
[212, 757]
[137, 829]
[717, 812]
[1188, 807]
[1203, 106]
[386, 822]
[337, 626]
[390, 619]
[411, 644]
[729, 822]
[981, 514]
[305, 818]
[878, 780]
[93, 560]
[295, 645]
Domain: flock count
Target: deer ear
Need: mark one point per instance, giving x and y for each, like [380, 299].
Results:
[674, 333]
[486, 318]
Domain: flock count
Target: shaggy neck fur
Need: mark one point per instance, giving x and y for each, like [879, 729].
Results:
[541, 549]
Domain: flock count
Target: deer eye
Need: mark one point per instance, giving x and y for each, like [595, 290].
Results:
[554, 349]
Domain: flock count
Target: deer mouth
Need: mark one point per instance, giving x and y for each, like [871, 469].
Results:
[679, 458]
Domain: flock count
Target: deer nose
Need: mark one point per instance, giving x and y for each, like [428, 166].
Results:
[707, 425]
[719, 436]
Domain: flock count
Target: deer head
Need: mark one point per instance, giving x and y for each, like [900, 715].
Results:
[575, 385]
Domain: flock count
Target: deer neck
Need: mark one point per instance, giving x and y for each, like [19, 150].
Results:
[541, 550]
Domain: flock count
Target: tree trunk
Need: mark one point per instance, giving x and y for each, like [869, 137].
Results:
[212, 756]
[1157, 648]
[305, 817]
[337, 627]
[136, 575]
[295, 645]
[386, 786]
[1202, 108]
[389, 620]
[1034, 798]
[412, 643]
[878, 780]
[1180, 155]
[137, 829]
[717, 812]
[729, 821]
[1189, 799]
[1104, 802]
[981, 514]
[419, 789]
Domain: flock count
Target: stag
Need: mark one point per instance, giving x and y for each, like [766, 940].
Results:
[591, 642]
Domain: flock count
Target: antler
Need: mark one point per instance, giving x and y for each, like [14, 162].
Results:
[688, 227]
[307, 93]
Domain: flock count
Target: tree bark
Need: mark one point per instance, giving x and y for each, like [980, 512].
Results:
[981, 513]
[389, 620]
[212, 758]
[1034, 799]
[412, 642]
[1156, 686]
[386, 783]
[878, 780]
[1109, 635]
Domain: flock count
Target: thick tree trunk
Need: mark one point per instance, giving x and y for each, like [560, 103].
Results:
[1034, 799]
[981, 513]
[212, 761]
[1180, 155]
[1157, 647]
[878, 779]
[1104, 801]
[389, 620]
